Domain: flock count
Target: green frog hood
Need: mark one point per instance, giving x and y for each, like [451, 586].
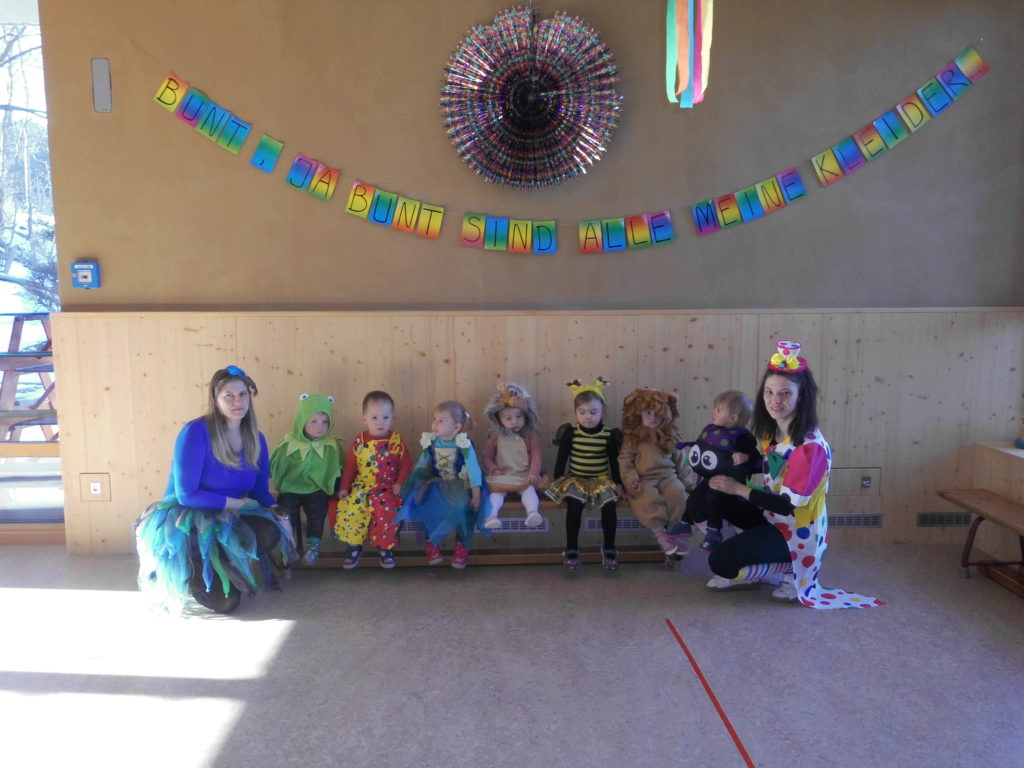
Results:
[301, 465]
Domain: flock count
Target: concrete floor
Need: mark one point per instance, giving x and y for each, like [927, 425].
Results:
[512, 666]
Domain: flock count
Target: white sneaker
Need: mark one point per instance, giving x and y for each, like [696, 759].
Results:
[722, 584]
[786, 593]
[492, 523]
[533, 520]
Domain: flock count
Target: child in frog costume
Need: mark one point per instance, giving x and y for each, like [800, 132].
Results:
[305, 467]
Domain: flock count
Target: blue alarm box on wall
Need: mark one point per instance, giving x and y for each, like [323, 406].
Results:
[85, 274]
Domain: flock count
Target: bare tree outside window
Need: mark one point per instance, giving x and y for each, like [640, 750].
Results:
[28, 255]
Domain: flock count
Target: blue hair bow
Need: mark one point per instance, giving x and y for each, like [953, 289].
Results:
[234, 370]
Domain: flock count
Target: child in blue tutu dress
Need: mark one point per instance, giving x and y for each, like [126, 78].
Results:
[445, 491]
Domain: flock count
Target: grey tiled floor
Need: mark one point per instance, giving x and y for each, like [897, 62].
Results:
[512, 666]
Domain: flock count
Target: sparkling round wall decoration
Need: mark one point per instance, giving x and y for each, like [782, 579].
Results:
[530, 102]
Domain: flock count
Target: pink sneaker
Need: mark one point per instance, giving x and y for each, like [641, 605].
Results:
[667, 543]
[434, 556]
[461, 558]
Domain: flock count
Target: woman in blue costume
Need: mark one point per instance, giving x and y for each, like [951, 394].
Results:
[218, 519]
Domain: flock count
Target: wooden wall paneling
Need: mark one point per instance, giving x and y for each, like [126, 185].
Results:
[72, 426]
[584, 347]
[931, 415]
[897, 399]
[698, 356]
[856, 394]
[994, 370]
[481, 362]
[113, 419]
[422, 366]
[166, 396]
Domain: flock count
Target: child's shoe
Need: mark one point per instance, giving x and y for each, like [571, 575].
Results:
[681, 530]
[533, 520]
[667, 543]
[571, 559]
[711, 539]
[351, 557]
[610, 559]
[387, 558]
[461, 557]
[434, 556]
[312, 551]
[492, 523]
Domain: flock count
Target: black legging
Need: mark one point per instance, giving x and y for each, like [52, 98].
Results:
[574, 517]
[313, 504]
[763, 544]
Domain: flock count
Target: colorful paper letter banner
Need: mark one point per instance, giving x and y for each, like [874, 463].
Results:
[689, 36]
[495, 233]
[768, 196]
[195, 108]
[933, 98]
[366, 201]
[627, 233]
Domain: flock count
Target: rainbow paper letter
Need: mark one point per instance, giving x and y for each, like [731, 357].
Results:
[660, 224]
[496, 234]
[266, 154]
[406, 214]
[235, 132]
[913, 112]
[520, 236]
[638, 231]
[970, 63]
[613, 231]
[359, 199]
[473, 225]
[382, 209]
[544, 237]
[431, 218]
[324, 181]
[301, 172]
[728, 211]
[792, 185]
[172, 91]
[590, 237]
[827, 168]
[704, 217]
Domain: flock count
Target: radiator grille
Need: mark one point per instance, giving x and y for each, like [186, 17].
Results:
[623, 524]
[943, 519]
[855, 521]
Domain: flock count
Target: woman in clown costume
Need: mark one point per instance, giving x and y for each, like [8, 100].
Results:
[797, 464]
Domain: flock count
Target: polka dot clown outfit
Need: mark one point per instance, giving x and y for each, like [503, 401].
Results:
[373, 466]
[801, 473]
[792, 545]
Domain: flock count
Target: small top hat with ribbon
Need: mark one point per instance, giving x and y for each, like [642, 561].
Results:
[787, 359]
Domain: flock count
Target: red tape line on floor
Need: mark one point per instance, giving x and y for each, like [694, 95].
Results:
[711, 695]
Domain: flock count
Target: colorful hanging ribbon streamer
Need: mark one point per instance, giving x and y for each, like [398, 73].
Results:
[687, 50]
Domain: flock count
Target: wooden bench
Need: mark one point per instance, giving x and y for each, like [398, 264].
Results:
[986, 505]
[412, 554]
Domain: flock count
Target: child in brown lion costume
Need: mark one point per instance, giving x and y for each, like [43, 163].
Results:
[512, 456]
[651, 464]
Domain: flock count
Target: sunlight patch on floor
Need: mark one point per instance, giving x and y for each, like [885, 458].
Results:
[92, 632]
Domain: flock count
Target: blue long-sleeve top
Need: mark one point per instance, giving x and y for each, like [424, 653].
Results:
[199, 480]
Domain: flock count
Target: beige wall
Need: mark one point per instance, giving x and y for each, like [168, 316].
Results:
[900, 394]
[177, 222]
